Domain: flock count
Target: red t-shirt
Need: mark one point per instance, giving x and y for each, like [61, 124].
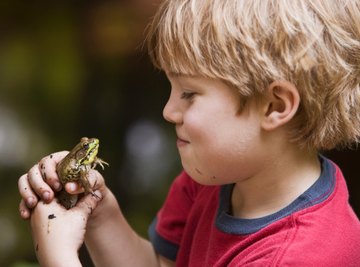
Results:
[319, 228]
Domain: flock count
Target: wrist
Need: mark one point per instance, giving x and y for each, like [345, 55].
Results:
[107, 205]
[60, 260]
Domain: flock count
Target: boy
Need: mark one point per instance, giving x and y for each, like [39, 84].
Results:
[258, 89]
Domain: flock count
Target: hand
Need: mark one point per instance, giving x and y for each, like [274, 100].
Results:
[41, 182]
[58, 233]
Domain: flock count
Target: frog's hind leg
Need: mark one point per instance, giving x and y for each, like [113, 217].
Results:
[84, 175]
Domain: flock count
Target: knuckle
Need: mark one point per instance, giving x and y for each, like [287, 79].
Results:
[34, 171]
[89, 204]
[23, 178]
[23, 186]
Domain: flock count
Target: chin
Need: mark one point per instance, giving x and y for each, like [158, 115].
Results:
[202, 178]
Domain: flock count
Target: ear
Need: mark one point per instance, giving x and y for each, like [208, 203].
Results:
[281, 104]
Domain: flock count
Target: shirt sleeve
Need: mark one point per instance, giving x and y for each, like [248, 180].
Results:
[167, 228]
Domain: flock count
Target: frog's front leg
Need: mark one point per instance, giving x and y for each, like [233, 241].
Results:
[99, 161]
[84, 175]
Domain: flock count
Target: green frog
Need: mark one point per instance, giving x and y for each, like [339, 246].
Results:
[75, 167]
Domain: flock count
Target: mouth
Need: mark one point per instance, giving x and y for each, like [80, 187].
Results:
[181, 142]
[91, 155]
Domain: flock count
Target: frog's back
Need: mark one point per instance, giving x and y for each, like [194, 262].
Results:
[67, 170]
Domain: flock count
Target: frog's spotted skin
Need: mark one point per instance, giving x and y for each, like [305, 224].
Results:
[75, 167]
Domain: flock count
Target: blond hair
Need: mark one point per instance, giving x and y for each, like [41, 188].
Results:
[250, 43]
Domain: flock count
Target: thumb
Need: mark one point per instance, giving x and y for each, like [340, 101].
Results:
[88, 203]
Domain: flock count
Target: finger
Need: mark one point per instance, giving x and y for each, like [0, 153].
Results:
[95, 179]
[74, 188]
[24, 210]
[48, 169]
[88, 203]
[38, 185]
[28, 195]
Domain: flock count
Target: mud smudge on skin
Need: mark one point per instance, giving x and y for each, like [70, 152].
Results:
[198, 171]
[90, 210]
[50, 217]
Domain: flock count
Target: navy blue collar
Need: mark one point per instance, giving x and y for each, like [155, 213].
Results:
[318, 192]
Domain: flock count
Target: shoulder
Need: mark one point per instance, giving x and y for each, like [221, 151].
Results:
[322, 244]
[325, 235]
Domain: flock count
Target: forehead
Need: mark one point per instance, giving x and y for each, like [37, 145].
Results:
[195, 81]
[176, 77]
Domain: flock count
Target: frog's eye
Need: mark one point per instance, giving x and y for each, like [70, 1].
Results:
[86, 145]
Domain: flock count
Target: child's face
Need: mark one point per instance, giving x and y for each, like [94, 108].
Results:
[217, 143]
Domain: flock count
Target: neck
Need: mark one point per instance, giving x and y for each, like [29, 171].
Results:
[282, 179]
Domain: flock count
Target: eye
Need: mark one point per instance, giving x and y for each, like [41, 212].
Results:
[86, 145]
[187, 95]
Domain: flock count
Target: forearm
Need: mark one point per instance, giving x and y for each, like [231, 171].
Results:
[112, 242]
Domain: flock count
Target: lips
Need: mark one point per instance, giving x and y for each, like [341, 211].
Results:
[181, 142]
[181, 137]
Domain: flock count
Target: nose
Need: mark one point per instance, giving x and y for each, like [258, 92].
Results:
[172, 110]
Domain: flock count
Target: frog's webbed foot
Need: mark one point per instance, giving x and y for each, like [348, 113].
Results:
[99, 161]
[94, 195]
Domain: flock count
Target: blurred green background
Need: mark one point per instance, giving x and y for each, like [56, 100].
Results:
[78, 68]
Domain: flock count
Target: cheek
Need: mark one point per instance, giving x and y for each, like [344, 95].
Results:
[225, 151]
[196, 126]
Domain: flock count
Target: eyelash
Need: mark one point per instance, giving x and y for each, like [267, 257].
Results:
[187, 95]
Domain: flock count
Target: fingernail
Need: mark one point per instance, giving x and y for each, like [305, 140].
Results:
[46, 196]
[57, 186]
[71, 187]
[24, 213]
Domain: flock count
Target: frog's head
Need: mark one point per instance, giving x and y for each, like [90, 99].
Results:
[86, 150]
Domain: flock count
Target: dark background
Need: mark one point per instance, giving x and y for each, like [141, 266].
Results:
[78, 68]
